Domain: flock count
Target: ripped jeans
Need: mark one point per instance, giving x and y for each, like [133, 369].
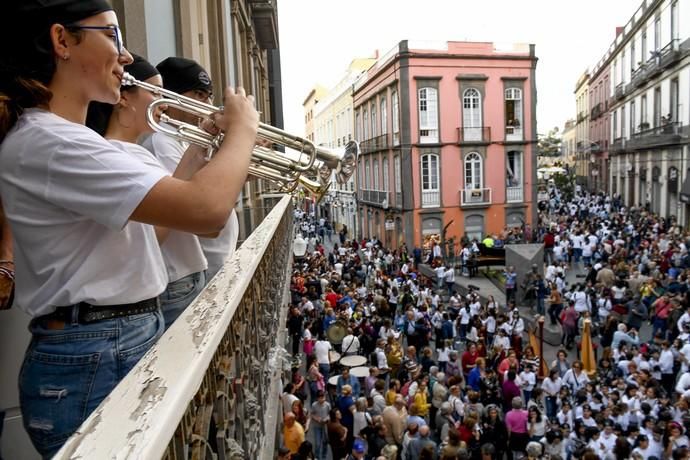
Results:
[68, 372]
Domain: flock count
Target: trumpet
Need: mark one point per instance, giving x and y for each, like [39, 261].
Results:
[307, 165]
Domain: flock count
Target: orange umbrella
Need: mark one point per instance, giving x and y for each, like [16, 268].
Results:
[589, 364]
[543, 370]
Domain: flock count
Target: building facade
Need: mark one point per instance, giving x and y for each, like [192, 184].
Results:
[582, 129]
[649, 106]
[448, 135]
[237, 42]
[597, 146]
[568, 143]
[333, 125]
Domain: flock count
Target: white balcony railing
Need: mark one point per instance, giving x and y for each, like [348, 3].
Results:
[209, 387]
[514, 194]
[477, 196]
[513, 133]
[431, 198]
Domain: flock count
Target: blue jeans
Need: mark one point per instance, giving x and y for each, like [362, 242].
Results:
[320, 441]
[68, 372]
[179, 294]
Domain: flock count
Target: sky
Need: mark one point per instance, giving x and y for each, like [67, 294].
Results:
[319, 38]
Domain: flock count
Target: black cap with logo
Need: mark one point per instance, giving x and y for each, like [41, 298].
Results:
[181, 75]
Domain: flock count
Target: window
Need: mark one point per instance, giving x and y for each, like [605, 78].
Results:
[657, 34]
[513, 110]
[358, 132]
[674, 20]
[360, 174]
[376, 175]
[657, 107]
[384, 117]
[430, 185]
[633, 118]
[428, 115]
[623, 79]
[615, 124]
[395, 120]
[365, 125]
[643, 109]
[397, 174]
[632, 56]
[367, 176]
[514, 169]
[384, 167]
[643, 47]
[373, 120]
[473, 171]
[615, 71]
[675, 102]
[623, 125]
[471, 115]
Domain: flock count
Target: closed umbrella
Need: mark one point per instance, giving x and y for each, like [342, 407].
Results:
[589, 364]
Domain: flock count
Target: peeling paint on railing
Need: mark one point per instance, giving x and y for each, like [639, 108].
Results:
[210, 372]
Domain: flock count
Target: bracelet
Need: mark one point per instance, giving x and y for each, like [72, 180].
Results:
[7, 273]
[10, 262]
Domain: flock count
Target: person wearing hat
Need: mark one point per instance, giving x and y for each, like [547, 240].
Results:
[82, 213]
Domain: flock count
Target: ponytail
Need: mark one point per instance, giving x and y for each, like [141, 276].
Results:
[21, 93]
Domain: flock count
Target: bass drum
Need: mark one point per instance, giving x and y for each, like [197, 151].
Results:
[337, 331]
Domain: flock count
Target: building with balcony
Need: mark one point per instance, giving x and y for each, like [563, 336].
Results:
[649, 104]
[447, 136]
[568, 143]
[597, 144]
[225, 404]
[582, 129]
[333, 122]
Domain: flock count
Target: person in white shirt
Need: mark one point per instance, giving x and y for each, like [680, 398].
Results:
[350, 344]
[551, 387]
[575, 378]
[82, 210]
[449, 278]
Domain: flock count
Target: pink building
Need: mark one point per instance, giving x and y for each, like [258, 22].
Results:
[447, 132]
[599, 129]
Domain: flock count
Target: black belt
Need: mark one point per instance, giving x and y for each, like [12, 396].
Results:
[88, 313]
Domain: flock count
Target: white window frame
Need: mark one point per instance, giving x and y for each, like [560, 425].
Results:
[386, 179]
[395, 114]
[365, 124]
[515, 95]
[372, 111]
[375, 170]
[427, 105]
[472, 114]
[474, 171]
[367, 175]
[384, 117]
[517, 176]
[430, 171]
[397, 175]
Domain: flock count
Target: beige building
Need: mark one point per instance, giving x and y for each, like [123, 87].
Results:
[330, 121]
[582, 129]
[569, 143]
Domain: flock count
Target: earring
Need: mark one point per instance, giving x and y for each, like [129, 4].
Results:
[65, 57]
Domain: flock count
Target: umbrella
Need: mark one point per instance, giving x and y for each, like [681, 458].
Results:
[589, 364]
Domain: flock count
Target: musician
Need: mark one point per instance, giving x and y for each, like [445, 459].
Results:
[88, 269]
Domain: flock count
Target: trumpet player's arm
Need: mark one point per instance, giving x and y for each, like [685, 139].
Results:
[6, 259]
[202, 204]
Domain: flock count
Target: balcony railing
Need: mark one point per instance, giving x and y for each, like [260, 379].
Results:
[666, 134]
[514, 194]
[375, 197]
[670, 54]
[513, 133]
[209, 387]
[478, 134]
[475, 197]
[639, 76]
[431, 198]
[620, 91]
[374, 144]
[597, 111]
[618, 145]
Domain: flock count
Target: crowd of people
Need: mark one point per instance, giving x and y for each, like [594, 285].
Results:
[454, 376]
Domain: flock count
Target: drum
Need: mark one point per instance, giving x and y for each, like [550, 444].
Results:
[353, 361]
[333, 380]
[360, 372]
[337, 331]
[333, 356]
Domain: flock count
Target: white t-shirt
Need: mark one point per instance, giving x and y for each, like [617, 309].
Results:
[321, 349]
[68, 195]
[181, 251]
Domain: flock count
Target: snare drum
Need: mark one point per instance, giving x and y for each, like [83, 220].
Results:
[333, 356]
[353, 361]
[360, 372]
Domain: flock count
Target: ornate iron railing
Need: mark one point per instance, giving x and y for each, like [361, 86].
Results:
[209, 387]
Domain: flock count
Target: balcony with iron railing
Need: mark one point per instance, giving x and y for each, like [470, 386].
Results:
[431, 198]
[475, 197]
[379, 198]
[668, 133]
[597, 111]
[374, 144]
[209, 388]
[618, 145]
[515, 194]
[620, 91]
[670, 54]
[474, 135]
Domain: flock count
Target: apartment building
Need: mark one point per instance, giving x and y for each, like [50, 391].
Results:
[596, 149]
[582, 129]
[650, 108]
[448, 132]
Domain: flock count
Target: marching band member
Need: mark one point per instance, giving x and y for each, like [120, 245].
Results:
[88, 269]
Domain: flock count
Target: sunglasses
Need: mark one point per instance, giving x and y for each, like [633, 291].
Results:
[117, 34]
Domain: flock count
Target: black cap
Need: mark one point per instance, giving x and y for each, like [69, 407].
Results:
[141, 69]
[181, 75]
